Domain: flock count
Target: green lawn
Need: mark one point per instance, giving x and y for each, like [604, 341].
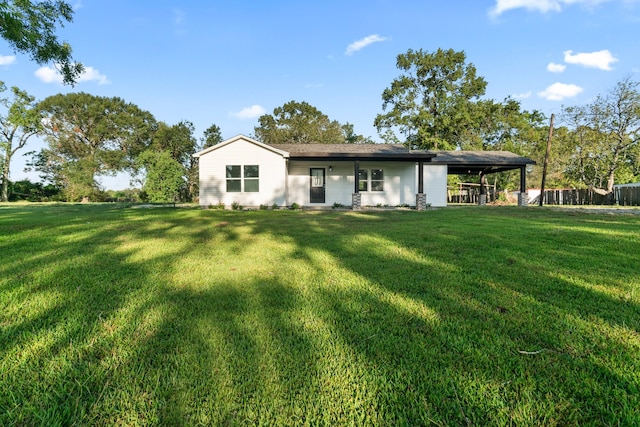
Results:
[457, 316]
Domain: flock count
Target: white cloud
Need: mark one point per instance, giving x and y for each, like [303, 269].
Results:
[522, 95]
[91, 74]
[601, 59]
[362, 43]
[52, 75]
[556, 68]
[7, 60]
[249, 112]
[48, 75]
[560, 91]
[543, 6]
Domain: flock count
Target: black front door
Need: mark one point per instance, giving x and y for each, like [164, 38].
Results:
[316, 190]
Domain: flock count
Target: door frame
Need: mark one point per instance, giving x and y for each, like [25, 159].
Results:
[320, 193]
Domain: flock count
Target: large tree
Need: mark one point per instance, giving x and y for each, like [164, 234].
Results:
[502, 126]
[18, 123]
[168, 162]
[351, 137]
[30, 27]
[177, 140]
[211, 136]
[298, 123]
[605, 137]
[90, 136]
[432, 102]
[165, 176]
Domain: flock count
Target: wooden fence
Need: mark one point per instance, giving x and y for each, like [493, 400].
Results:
[622, 196]
[469, 193]
[627, 196]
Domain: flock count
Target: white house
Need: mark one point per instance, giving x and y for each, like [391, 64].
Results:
[248, 172]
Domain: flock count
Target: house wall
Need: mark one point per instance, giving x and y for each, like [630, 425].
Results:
[284, 182]
[213, 175]
[435, 184]
[400, 183]
[338, 183]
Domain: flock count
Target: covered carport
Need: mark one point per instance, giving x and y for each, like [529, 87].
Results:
[484, 163]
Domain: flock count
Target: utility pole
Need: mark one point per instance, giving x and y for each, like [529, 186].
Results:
[546, 161]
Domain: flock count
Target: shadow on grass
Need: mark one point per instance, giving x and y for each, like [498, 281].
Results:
[112, 317]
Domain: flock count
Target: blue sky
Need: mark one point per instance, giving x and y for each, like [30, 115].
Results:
[228, 62]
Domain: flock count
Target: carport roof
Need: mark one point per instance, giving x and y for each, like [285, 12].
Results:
[474, 162]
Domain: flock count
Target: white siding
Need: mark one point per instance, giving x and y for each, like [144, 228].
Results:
[435, 184]
[284, 182]
[241, 152]
[399, 183]
[338, 182]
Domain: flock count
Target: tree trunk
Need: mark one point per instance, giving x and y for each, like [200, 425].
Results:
[5, 177]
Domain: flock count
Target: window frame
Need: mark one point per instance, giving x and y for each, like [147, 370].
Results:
[243, 175]
[251, 179]
[233, 179]
[367, 184]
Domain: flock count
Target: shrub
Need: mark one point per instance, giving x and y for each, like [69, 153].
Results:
[236, 206]
[295, 206]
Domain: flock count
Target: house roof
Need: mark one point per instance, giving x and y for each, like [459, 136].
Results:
[244, 138]
[458, 162]
[352, 152]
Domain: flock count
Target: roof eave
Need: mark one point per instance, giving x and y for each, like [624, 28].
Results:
[360, 156]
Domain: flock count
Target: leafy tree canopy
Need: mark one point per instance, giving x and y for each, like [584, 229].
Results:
[90, 135]
[165, 176]
[211, 136]
[19, 121]
[29, 27]
[604, 138]
[302, 123]
[502, 126]
[431, 102]
[179, 144]
[177, 140]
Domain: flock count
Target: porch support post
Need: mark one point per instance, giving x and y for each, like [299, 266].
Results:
[356, 197]
[421, 198]
[522, 196]
[482, 200]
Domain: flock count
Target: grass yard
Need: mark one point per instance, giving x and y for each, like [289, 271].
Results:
[457, 316]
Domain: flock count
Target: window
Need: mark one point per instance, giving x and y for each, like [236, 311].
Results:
[371, 180]
[239, 177]
[234, 179]
[251, 179]
[377, 180]
[363, 180]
